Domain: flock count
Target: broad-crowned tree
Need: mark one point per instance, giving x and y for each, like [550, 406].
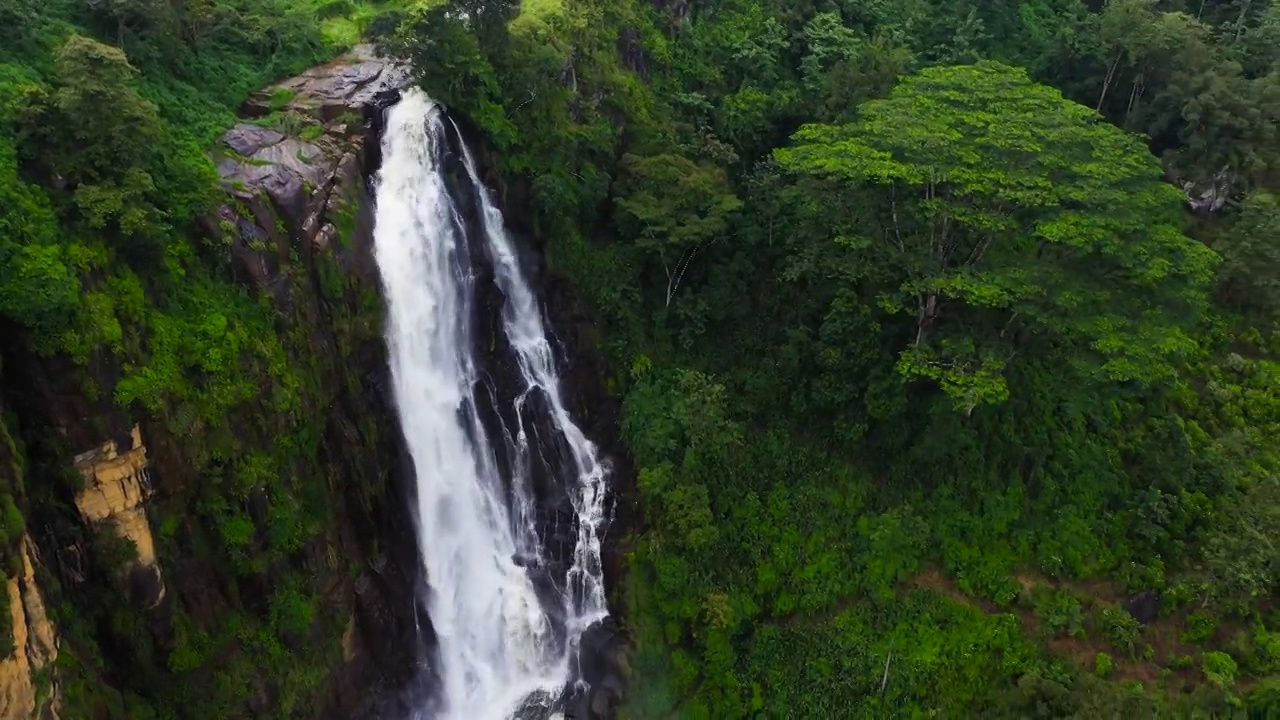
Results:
[1004, 220]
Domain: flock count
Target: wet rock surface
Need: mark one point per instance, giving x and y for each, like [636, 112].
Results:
[606, 670]
[604, 647]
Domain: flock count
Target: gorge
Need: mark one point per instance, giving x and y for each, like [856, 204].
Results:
[634, 359]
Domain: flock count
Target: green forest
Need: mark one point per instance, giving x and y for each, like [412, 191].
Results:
[927, 364]
[944, 332]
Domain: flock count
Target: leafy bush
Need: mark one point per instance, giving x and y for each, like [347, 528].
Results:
[1061, 611]
[1120, 628]
[1103, 665]
[1199, 627]
[1219, 669]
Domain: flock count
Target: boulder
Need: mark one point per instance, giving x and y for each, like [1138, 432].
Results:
[605, 667]
[287, 190]
[327, 92]
[1144, 606]
[248, 139]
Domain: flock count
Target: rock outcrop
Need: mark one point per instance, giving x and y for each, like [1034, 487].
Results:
[35, 647]
[1205, 194]
[117, 485]
[348, 85]
[298, 190]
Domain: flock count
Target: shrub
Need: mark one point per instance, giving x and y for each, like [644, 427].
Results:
[1200, 627]
[1060, 610]
[1219, 669]
[1120, 628]
[1103, 665]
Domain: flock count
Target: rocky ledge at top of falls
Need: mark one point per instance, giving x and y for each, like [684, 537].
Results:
[294, 169]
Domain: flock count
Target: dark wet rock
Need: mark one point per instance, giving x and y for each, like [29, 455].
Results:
[607, 697]
[605, 669]
[1144, 606]
[146, 587]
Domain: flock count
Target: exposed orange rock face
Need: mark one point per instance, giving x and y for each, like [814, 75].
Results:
[35, 643]
[117, 486]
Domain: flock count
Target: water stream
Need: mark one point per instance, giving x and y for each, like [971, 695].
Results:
[489, 457]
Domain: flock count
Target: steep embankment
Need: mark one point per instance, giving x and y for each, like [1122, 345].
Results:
[263, 568]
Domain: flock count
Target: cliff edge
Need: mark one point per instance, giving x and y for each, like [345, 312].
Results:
[236, 549]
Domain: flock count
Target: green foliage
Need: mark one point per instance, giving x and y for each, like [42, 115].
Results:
[1250, 273]
[951, 219]
[996, 203]
[1200, 627]
[1103, 665]
[1219, 668]
[38, 287]
[442, 42]
[672, 206]
[94, 125]
[107, 112]
[1061, 612]
[1120, 629]
[823, 534]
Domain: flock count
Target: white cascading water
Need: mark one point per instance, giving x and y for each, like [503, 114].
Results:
[499, 651]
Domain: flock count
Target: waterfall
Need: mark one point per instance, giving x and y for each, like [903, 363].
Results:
[506, 613]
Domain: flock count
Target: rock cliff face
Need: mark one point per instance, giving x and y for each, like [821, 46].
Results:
[117, 485]
[311, 616]
[35, 647]
[295, 194]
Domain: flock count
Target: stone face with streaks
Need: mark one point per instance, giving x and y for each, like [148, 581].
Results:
[345, 86]
[115, 493]
[35, 647]
[294, 167]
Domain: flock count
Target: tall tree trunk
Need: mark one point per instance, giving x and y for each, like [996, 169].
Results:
[1135, 95]
[1111, 74]
[1244, 10]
